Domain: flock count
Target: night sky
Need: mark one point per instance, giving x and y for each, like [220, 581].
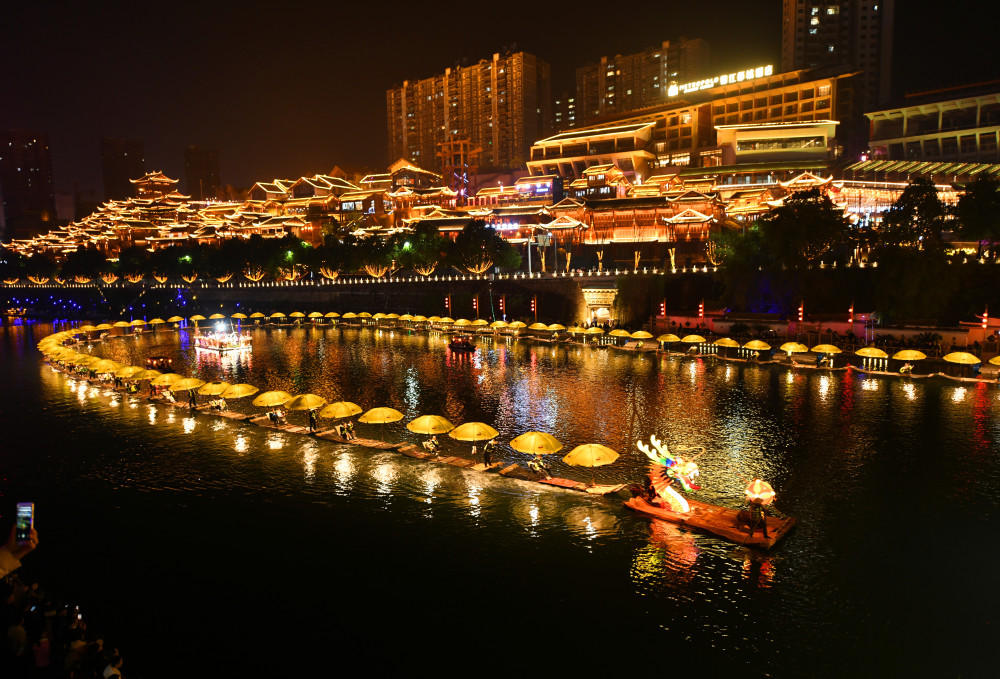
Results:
[284, 89]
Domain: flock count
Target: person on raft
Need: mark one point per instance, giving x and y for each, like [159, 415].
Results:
[488, 450]
[538, 465]
[758, 517]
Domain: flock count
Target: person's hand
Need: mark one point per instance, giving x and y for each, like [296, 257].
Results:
[19, 551]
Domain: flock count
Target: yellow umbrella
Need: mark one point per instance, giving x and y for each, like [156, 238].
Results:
[825, 349]
[89, 328]
[692, 339]
[166, 379]
[214, 388]
[156, 321]
[239, 391]
[538, 326]
[641, 334]
[757, 345]
[406, 317]
[446, 319]
[104, 326]
[590, 455]
[517, 325]
[174, 319]
[434, 319]
[618, 332]
[340, 409]
[594, 330]
[216, 317]
[430, 424]
[726, 342]
[420, 319]
[82, 359]
[186, 383]
[794, 347]
[277, 314]
[147, 375]
[350, 314]
[381, 416]
[536, 443]
[473, 431]
[576, 330]
[122, 324]
[138, 321]
[239, 316]
[128, 371]
[379, 316]
[196, 318]
[480, 322]
[364, 314]
[257, 314]
[962, 357]
[297, 314]
[555, 327]
[105, 365]
[315, 314]
[463, 322]
[871, 352]
[332, 314]
[305, 402]
[271, 399]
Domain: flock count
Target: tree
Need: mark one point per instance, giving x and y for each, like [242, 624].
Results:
[375, 254]
[83, 265]
[423, 250]
[806, 228]
[916, 218]
[979, 214]
[479, 247]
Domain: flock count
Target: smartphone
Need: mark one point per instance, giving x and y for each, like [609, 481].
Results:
[25, 522]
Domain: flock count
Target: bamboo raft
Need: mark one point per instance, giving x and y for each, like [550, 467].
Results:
[331, 435]
[716, 520]
[411, 450]
[515, 471]
[265, 421]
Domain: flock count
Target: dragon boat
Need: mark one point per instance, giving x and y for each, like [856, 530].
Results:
[669, 469]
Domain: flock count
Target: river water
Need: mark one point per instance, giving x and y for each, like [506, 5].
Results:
[209, 546]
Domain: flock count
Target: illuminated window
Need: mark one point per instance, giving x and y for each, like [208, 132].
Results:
[814, 21]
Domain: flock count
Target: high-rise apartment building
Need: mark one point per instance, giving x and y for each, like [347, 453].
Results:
[842, 34]
[27, 198]
[501, 105]
[121, 160]
[201, 173]
[621, 84]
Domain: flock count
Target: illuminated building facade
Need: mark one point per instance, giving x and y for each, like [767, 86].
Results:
[501, 105]
[621, 84]
[842, 35]
[963, 127]
[684, 134]
[121, 160]
[27, 199]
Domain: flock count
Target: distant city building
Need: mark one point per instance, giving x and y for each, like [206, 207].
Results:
[202, 173]
[500, 105]
[564, 114]
[842, 35]
[28, 199]
[626, 83]
[121, 160]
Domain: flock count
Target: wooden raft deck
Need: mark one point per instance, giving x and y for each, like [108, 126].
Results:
[331, 435]
[515, 471]
[411, 450]
[718, 521]
[265, 421]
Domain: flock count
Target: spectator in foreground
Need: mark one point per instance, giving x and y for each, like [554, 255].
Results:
[12, 553]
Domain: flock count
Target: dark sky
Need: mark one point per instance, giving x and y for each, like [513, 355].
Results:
[285, 89]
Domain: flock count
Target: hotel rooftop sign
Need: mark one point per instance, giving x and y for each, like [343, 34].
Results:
[726, 79]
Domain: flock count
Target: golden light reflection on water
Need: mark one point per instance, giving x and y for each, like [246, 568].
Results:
[385, 476]
[240, 445]
[958, 395]
[910, 391]
[344, 469]
[310, 453]
[275, 442]
[152, 414]
[189, 424]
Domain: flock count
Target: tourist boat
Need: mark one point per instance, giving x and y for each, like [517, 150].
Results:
[461, 343]
[223, 342]
[720, 521]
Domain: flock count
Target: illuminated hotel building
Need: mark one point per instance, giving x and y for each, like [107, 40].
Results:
[500, 105]
[27, 199]
[683, 134]
[621, 84]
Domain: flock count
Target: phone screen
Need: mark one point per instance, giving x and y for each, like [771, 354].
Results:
[25, 521]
